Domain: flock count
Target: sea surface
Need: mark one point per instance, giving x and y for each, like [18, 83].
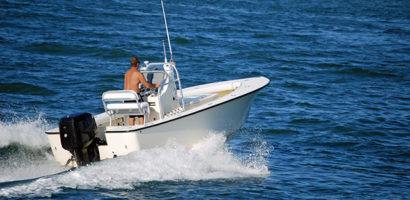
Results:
[334, 122]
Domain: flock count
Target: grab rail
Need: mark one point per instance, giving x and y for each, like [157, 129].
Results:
[180, 88]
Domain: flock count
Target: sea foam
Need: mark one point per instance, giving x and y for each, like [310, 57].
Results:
[209, 159]
[27, 131]
[25, 152]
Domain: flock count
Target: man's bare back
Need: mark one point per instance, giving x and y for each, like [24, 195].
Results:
[133, 78]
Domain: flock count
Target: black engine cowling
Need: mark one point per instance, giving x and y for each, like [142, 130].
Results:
[78, 135]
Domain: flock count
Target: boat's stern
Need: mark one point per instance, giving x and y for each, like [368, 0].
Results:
[60, 154]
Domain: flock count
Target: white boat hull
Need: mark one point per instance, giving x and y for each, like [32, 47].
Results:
[224, 115]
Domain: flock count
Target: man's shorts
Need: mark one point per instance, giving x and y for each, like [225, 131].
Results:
[133, 101]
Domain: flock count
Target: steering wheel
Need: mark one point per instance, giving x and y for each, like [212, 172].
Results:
[148, 91]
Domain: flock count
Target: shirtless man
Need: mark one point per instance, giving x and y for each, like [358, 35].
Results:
[132, 79]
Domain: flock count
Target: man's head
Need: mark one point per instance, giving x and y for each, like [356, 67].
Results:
[134, 61]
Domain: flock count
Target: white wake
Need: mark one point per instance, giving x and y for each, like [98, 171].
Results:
[24, 150]
[210, 159]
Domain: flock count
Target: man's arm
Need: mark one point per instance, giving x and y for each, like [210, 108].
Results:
[125, 82]
[145, 83]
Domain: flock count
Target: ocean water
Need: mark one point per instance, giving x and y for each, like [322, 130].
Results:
[334, 122]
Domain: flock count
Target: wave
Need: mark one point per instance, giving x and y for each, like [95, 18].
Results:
[27, 131]
[209, 159]
[24, 150]
[25, 88]
[363, 72]
[21, 162]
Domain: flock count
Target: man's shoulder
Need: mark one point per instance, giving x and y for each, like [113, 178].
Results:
[131, 71]
[128, 71]
[139, 73]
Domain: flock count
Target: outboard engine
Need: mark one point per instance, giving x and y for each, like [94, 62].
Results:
[77, 135]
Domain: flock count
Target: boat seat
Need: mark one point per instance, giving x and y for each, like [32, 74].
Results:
[124, 102]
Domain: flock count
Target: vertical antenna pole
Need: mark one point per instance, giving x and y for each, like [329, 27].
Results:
[166, 27]
[165, 53]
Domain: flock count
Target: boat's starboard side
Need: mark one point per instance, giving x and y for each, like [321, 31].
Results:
[238, 88]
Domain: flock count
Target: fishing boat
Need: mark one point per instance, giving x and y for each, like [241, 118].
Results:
[184, 115]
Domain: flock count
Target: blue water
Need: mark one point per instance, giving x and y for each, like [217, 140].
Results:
[333, 123]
